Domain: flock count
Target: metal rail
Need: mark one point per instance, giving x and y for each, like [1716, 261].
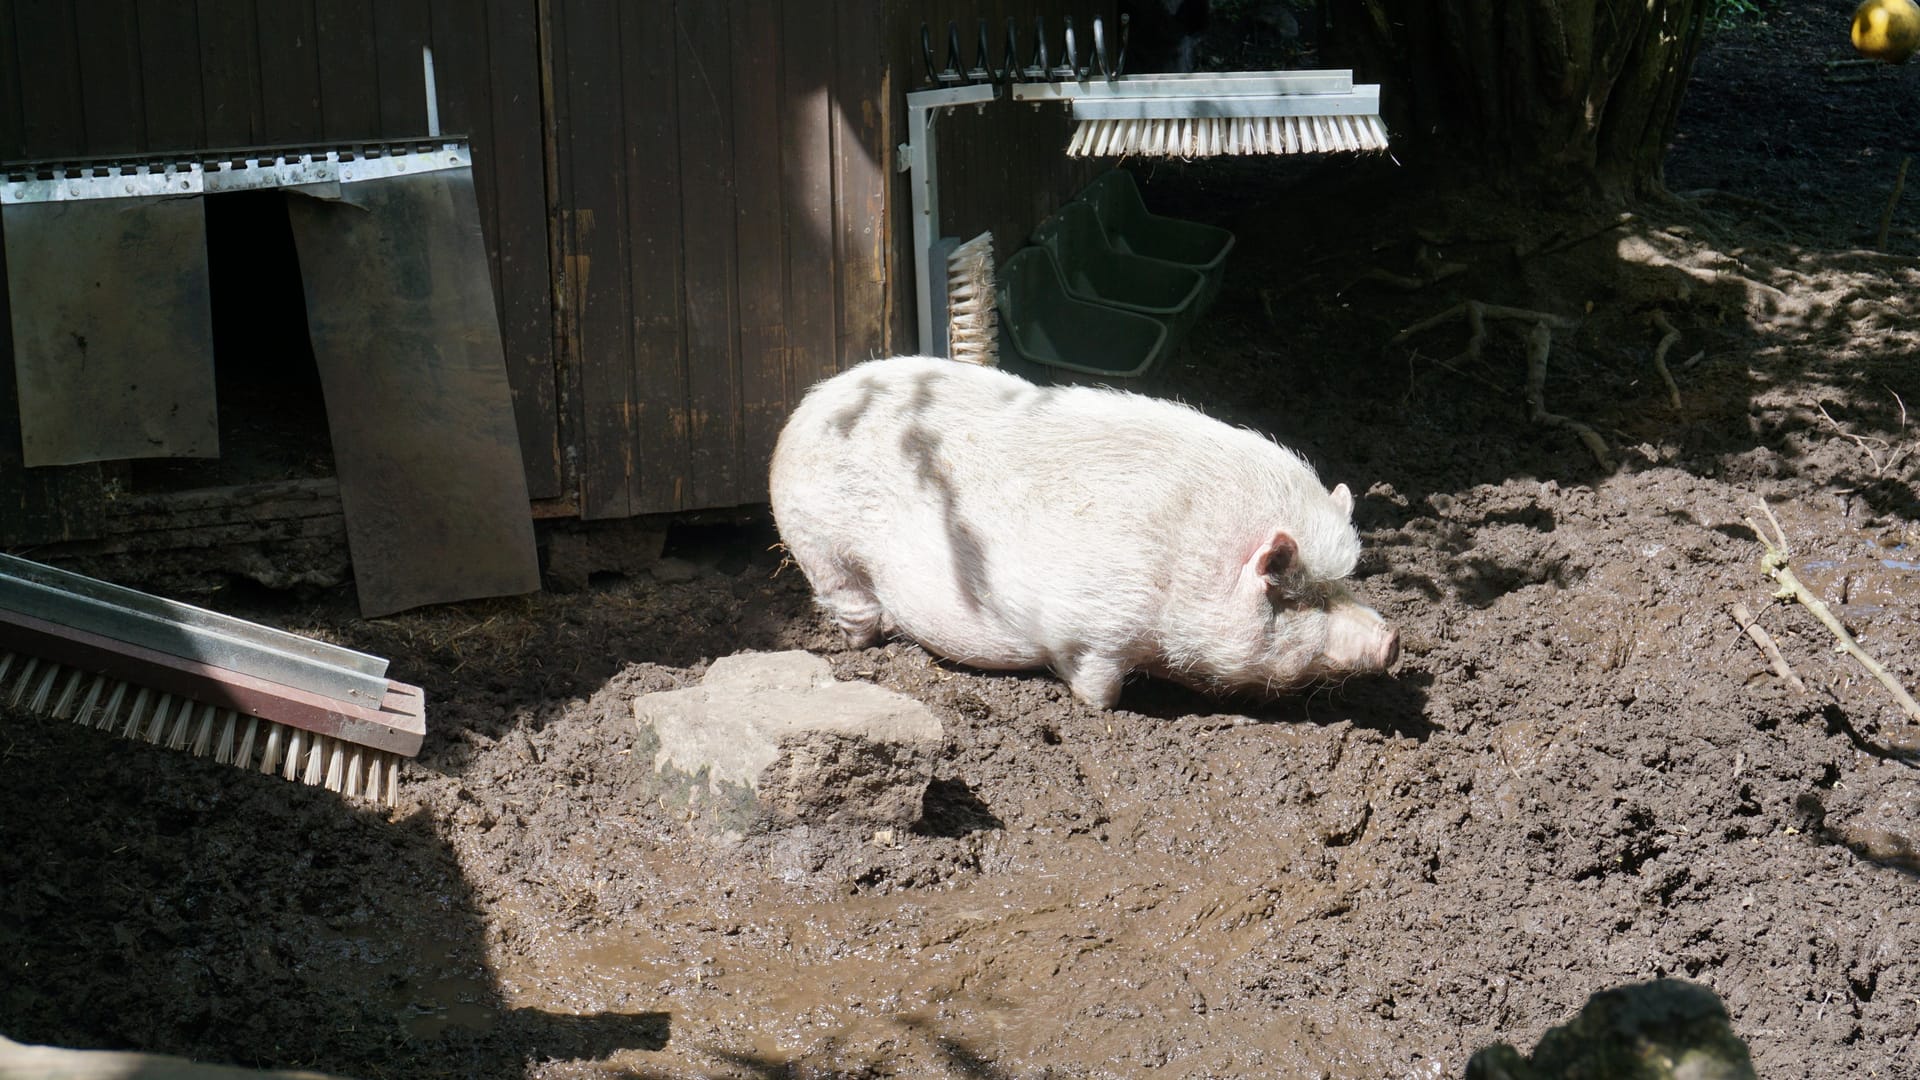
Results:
[211, 173]
[190, 633]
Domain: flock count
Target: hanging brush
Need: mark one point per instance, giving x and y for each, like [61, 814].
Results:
[76, 648]
[1210, 115]
[973, 322]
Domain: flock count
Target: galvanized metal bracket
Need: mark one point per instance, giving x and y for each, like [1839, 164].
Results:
[1251, 93]
[921, 152]
[1100, 61]
[214, 173]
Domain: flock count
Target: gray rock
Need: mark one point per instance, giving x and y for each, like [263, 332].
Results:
[22, 1060]
[771, 739]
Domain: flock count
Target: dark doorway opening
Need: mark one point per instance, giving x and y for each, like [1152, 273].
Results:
[273, 418]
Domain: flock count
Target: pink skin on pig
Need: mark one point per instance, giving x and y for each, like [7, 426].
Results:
[1093, 532]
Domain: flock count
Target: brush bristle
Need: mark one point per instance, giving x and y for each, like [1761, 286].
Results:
[973, 317]
[53, 690]
[1215, 136]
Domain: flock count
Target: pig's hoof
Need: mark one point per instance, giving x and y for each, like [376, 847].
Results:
[860, 619]
[861, 634]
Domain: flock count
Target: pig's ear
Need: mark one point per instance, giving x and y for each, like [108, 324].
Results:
[1274, 558]
[1343, 499]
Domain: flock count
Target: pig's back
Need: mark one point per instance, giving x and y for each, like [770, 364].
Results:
[1000, 522]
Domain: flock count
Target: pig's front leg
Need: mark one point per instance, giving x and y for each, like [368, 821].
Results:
[1094, 679]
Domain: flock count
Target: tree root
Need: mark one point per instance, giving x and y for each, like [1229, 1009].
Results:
[1774, 565]
[1475, 312]
[1559, 242]
[1744, 618]
[1668, 339]
[1539, 343]
[1432, 272]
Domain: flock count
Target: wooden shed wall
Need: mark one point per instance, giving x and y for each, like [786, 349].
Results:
[731, 226]
[103, 78]
[722, 203]
[692, 208]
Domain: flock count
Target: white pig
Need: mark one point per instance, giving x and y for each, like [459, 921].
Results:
[1094, 532]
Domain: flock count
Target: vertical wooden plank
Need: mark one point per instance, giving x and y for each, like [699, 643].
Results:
[13, 135]
[863, 86]
[555, 73]
[400, 28]
[502, 76]
[348, 69]
[110, 81]
[174, 101]
[760, 237]
[594, 235]
[806, 139]
[902, 332]
[457, 31]
[654, 167]
[230, 72]
[50, 92]
[707, 141]
[289, 73]
[526, 276]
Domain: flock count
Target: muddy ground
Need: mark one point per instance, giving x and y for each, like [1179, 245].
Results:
[1582, 775]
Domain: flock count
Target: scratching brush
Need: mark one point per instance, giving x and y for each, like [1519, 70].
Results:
[76, 648]
[972, 315]
[1203, 136]
[1209, 114]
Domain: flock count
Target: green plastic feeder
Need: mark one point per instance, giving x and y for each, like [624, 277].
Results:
[1095, 272]
[1053, 334]
[1132, 229]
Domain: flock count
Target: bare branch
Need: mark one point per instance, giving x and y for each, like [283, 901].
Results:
[1774, 565]
[1760, 637]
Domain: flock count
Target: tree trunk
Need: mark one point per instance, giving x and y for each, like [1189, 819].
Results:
[1556, 99]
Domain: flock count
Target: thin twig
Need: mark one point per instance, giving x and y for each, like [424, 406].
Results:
[1774, 565]
[1669, 338]
[1760, 637]
[1861, 441]
[1463, 373]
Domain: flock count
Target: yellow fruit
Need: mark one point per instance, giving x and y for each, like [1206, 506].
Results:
[1887, 29]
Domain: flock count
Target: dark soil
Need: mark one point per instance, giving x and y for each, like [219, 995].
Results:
[1582, 775]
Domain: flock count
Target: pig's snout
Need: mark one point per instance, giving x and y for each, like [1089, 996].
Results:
[1360, 641]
